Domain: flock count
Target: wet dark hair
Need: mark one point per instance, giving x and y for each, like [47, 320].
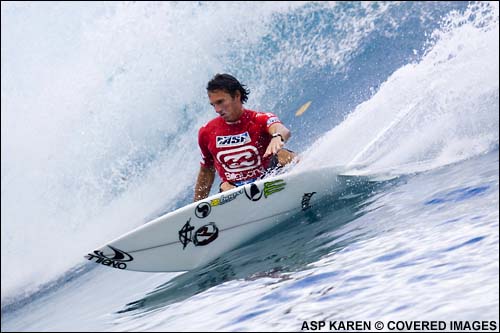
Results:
[229, 84]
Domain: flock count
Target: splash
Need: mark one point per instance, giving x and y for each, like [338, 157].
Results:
[439, 110]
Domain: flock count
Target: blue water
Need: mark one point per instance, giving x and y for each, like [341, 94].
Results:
[101, 103]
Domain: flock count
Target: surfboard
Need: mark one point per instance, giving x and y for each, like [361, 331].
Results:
[198, 233]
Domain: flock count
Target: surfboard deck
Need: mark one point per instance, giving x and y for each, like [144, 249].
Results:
[198, 233]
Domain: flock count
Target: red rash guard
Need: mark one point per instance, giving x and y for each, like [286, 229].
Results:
[236, 149]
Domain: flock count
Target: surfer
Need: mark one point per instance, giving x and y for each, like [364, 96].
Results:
[241, 144]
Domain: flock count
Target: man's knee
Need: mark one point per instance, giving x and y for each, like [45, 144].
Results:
[225, 186]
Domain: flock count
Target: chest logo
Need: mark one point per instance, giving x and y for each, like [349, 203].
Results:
[239, 159]
[232, 140]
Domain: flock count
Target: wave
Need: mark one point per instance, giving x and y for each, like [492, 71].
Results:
[437, 111]
[99, 121]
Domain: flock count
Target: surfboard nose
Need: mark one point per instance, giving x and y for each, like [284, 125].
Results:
[110, 256]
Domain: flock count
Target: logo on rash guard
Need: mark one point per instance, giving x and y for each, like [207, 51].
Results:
[239, 159]
[242, 176]
[272, 120]
[233, 140]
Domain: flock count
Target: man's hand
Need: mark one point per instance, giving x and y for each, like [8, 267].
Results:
[277, 142]
[274, 146]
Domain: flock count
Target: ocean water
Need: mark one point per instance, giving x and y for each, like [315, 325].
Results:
[101, 103]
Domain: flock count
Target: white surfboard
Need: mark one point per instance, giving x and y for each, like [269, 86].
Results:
[198, 233]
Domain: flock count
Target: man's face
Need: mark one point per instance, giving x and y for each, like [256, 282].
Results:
[229, 108]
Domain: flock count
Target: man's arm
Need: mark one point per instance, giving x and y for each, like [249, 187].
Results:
[204, 183]
[276, 143]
